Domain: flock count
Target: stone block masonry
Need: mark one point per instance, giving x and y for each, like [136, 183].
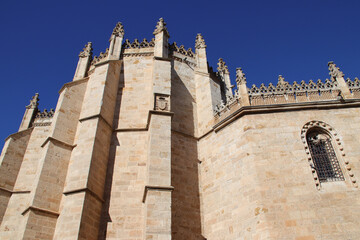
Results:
[149, 142]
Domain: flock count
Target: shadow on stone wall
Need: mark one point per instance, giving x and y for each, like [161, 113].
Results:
[105, 216]
[185, 217]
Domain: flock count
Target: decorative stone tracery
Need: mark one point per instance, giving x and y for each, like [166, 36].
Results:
[330, 130]
[136, 44]
[102, 57]
[181, 50]
[45, 113]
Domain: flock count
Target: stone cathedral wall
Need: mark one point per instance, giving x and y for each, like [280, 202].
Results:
[148, 142]
[256, 182]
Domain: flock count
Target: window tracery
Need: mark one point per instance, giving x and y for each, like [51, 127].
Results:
[326, 154]
[324, 158]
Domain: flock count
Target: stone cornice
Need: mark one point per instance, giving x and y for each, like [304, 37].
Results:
[42, 124]
[140, 54]
[202, 73]
[245, 110]
[162, 59]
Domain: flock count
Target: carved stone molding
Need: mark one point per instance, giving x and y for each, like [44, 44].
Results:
[140, 54]
[42, 124]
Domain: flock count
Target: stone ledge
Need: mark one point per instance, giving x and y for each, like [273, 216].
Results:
[73, 83]
[162, 59]
[86, 190]
[58, 142]
[155, 188]
[19, 134]
[202, 73]
[146, 128]
[96, 116]
[131, 129]
[43, 210]
[105, 62]
[12, 191]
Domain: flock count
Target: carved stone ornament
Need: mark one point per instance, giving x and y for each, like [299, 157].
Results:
[174, 48]
[334, 71]
[281, 80]
[162, 102]
[34, 102]
[45, 114]
[222, 66]
[240, 76]
[87, 51]
[160, 26]
[199, 42]
[102, 56]
[118, 30]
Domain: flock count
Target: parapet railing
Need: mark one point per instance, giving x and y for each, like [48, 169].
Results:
[284, 93]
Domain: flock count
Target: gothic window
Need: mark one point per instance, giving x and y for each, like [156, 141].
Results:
[323, 155]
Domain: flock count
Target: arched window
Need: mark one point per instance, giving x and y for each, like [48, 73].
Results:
[323, 155]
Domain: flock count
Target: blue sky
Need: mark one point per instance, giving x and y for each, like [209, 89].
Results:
[41, 40]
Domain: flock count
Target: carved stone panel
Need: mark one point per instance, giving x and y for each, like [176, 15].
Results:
[162, 102]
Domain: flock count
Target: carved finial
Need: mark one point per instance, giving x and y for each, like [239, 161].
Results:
[118, 30]
[334, 71]
[281, 80]
[240, 76]
[160, 26]
[199, 42]
[222, 66]
[87, 51]
[34, 102]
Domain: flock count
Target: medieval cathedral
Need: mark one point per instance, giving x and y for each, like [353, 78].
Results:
[149, 142]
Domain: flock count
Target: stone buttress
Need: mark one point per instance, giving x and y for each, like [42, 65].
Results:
[84, 187]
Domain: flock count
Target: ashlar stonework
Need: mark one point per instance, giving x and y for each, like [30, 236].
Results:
[148, 142]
